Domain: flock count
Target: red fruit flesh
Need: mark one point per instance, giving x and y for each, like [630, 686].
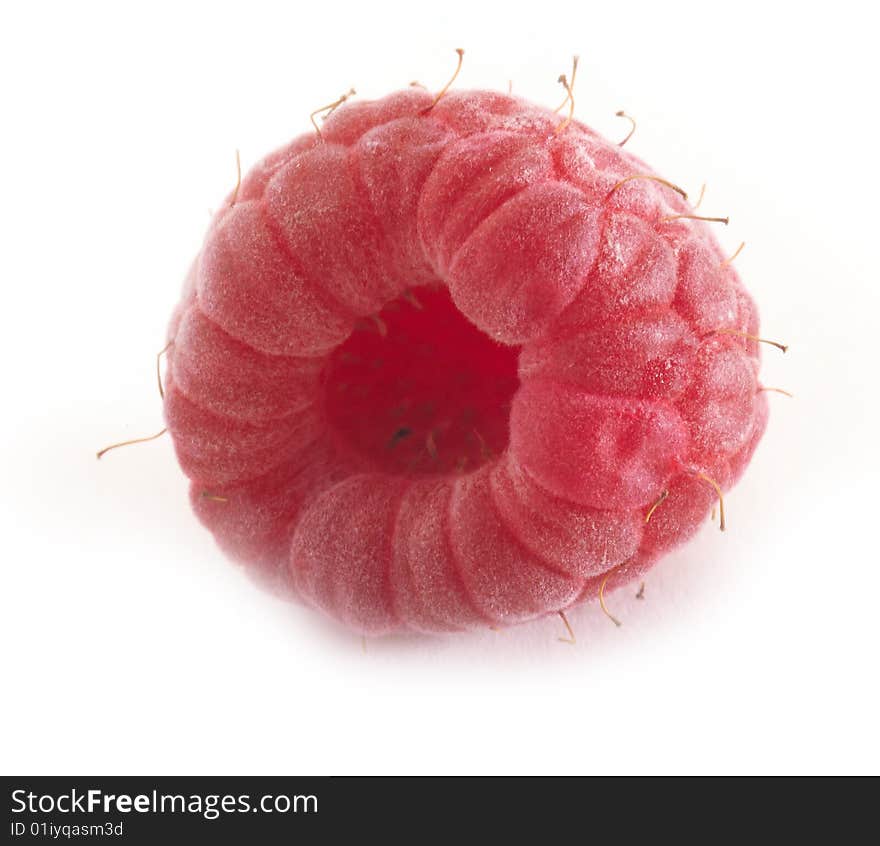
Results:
[422, 391]
[432, 369]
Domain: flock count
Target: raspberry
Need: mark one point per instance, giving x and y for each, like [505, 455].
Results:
[452, 363]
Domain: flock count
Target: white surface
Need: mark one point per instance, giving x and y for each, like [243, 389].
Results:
[131, 645]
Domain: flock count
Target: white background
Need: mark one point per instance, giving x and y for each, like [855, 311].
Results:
[130, 645]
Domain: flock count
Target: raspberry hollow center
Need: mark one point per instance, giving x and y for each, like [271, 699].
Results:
[420, 391]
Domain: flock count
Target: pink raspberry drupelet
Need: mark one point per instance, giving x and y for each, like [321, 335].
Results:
[434, 367]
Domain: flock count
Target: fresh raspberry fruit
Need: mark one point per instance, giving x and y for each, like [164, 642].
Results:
[447, 364]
